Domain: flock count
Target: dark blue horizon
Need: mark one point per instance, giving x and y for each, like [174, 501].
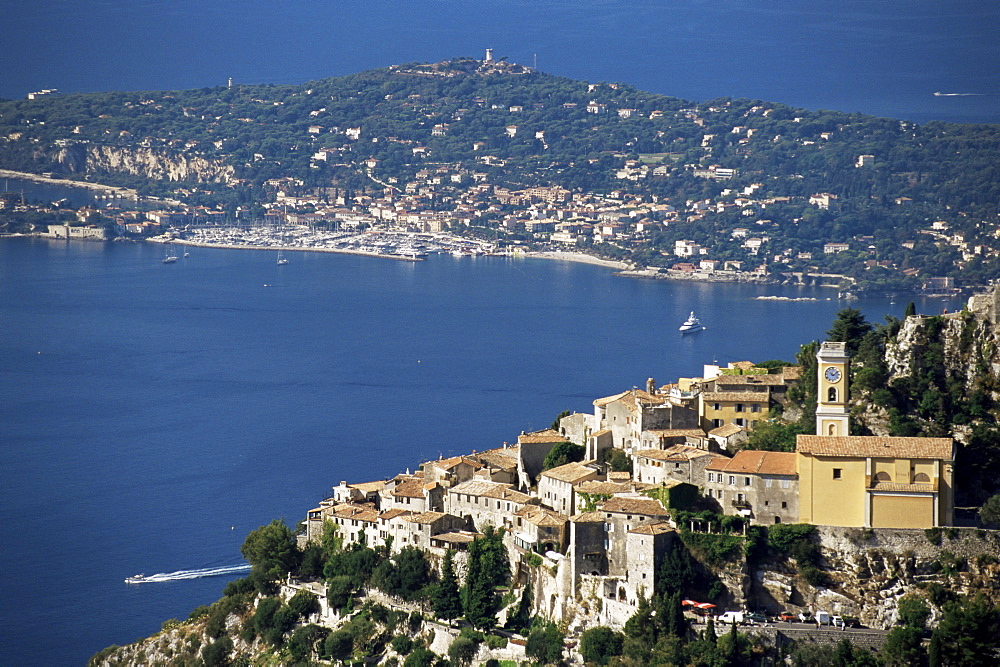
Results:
[886, 58]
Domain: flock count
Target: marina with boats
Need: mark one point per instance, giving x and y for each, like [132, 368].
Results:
[406, 246]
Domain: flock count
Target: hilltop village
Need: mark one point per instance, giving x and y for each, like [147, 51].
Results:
[603, 530]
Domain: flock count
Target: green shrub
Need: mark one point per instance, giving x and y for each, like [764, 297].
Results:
[496, 642]
[217, 653]
[401, 644]
[933, 536]
[199, 611]
[169, 624]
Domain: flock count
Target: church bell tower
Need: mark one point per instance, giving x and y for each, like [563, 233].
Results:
[832, 370]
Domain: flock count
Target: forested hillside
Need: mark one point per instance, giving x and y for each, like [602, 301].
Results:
[754, 164]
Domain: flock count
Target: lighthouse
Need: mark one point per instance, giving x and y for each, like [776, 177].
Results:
[489, 56]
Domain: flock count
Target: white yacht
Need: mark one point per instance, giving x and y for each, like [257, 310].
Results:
[691, 324]
[135, 579]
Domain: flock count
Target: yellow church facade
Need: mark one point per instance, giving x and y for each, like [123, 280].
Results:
[868, 481]
[877, 482]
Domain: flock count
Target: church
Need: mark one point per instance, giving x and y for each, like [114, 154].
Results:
[868, 481]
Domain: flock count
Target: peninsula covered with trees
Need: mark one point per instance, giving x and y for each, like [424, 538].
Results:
[490, 149]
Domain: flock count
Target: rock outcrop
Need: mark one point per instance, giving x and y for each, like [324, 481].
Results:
[147, 163]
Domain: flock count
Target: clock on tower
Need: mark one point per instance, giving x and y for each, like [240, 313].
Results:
[832, 415]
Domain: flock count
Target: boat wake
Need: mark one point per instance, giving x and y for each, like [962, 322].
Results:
[186, 574]
[959, 94]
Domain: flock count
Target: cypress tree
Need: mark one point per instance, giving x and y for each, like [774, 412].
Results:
[934, 651]
[447, 602]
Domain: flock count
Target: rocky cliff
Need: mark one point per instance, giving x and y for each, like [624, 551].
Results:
[144, 162]
[869, 571]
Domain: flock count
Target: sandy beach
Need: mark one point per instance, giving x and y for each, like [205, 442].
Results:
[579, 257]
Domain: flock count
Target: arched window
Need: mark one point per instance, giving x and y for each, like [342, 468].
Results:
[883, 477]
[832, 430]
[921, 477]
[832, 395]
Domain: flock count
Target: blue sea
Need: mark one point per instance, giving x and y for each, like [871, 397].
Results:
[152, 414]
[886, 58]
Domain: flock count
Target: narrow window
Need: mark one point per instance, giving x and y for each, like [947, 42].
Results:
[837, 473]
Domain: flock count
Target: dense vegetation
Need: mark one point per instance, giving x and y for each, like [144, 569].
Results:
[920, 173]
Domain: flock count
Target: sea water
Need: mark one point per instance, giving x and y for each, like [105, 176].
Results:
[152, 414]
[886, 58]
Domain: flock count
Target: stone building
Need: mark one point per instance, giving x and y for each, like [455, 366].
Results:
[483, 503]
[555, 485]
[679, 462]
[762, 486]
[620, 516]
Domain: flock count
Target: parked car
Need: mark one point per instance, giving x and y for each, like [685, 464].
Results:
[806, 617]
[837, 622]
[753, 618]
[788, 617]
[730, 617]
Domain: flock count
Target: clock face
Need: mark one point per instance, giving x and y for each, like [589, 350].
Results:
[832, 374]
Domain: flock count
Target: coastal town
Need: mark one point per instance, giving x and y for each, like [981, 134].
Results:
[447, 209]
[588, 537]
[721, 191]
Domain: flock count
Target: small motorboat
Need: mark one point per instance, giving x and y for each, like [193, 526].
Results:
[691, 324]
[135, 579]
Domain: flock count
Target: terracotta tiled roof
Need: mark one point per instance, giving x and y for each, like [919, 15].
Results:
[487, 489]
[896, 486]
[876, 446]
[726, 430]
[757, 463]
[570, 472]
[646, 506]
[609, 399]
[742, 365]
[657, 528]
[368, 487]
[791, 372]
[593, 486]
[752, 380]
[427, 517]
[587, 517]
[412, 488]
[448, 464]
[603, 431]
[504, 459]
[622, 476]
[676, 432]
[542, 517]
[392, 513]
[547, 435]
[456, 537]
[737, 396]
[674, 453]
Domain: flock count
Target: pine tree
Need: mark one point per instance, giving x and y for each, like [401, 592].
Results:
[447, 602]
